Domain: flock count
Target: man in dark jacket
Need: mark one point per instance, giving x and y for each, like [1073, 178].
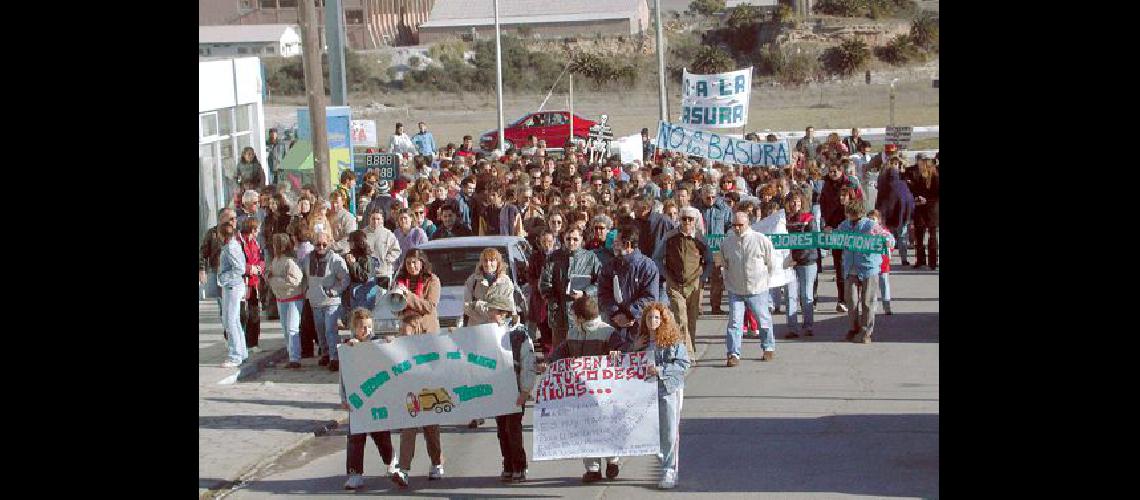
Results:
[627, 284]
[567, 275]
[717, 219]
[896, 205]
[652, 227]
[832, 199]
[687, 265]
[449, 226]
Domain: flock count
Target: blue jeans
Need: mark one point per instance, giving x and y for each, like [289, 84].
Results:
[291, 325]
[325, 320]
[885, 287]
[777, 296]
[232, 297]
[801, 289]
[901, 241]
[758, 304]
[669, 418]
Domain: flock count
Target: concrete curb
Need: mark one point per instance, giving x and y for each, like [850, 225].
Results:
[249, 370]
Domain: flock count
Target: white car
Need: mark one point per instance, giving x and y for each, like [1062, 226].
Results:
[453, 260]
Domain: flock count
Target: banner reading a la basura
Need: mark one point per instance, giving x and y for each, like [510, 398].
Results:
[589, 407]
[429, 379]
[716, 101]
[722, 148]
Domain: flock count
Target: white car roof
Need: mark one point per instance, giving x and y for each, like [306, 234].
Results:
[471, 241]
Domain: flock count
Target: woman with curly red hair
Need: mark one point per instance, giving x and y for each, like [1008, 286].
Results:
[659, 335]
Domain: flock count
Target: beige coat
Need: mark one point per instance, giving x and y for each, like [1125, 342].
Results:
[286, 278]
[475, 292]
[422, 313]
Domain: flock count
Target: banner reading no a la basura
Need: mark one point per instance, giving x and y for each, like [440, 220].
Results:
[429, 379]
[721, 148]
[588, 407]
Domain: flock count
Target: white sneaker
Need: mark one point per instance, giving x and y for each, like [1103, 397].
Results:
[393, 468]
[355, 482]
[436, 473]
[255, 349]
[230, 364]
[668, 480]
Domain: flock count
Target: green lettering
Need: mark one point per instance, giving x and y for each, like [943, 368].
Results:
[369, 386]
[466, 393]
[454, 355]
[356, 401]
[426, 358]
[485, 362]
[399, 368]
[379, 413]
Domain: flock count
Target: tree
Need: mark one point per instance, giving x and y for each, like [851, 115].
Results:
[899, 51]
[712, 60]
[846, 57]
[924, 31]
[743, 28]
[706, 7]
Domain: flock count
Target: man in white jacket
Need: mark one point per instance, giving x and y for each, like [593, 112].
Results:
[749, 259]
[384, 246]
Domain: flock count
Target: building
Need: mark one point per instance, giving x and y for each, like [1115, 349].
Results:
[763, 4]
[275, 40]
[368, 24]
[538, 18]
[230, 119]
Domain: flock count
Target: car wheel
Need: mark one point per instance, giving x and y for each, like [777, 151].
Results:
[439, 409]
[447, 408]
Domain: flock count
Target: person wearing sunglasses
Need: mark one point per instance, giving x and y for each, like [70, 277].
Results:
[568, 274]
[599, 230]
[748, 262]
[687, 264]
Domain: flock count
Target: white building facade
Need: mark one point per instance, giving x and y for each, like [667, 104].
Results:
[231, 117]
[268, 40]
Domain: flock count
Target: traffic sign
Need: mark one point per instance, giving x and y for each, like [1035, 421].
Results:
[899, 135]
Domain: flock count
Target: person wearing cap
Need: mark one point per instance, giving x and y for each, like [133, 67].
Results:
[686, 263]
[510, 426]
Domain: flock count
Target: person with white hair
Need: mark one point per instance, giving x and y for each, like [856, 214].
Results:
[686, 262]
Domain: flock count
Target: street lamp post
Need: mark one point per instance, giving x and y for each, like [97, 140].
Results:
[893, 82]
[499, 77]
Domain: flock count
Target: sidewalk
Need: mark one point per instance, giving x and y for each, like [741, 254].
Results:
[248, 417]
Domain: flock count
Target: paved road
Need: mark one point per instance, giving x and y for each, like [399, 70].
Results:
[825, 419]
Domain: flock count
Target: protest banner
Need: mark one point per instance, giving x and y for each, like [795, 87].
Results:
[722, 148]
[716, 101]
[630, 148]
[588, 407]
[429, 379]
[773, 225]
[855, 242]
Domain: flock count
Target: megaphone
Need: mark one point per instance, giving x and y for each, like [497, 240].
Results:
[396, 301]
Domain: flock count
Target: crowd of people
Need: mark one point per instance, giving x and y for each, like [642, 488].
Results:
[621, 256]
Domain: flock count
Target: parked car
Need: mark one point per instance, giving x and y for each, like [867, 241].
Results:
[454, 260]
[550, 126]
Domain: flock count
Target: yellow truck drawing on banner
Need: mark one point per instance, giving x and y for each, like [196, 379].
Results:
[437, 400]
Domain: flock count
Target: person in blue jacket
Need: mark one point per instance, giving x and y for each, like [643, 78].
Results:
[627, 284]
[862, 275]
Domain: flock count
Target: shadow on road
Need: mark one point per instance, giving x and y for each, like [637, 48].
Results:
[376, 484]
[832, 327]
[873, 454]
[258, 422]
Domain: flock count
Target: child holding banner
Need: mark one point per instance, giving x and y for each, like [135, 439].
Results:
[885, 270]
[510, 431]
[659, 334]
[361, 324]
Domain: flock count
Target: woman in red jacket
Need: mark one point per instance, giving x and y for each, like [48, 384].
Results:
[254, 268]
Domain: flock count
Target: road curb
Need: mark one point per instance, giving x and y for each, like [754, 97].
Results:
[251, 369]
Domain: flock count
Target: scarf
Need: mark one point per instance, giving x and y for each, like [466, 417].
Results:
[317, 264]
[418, 289]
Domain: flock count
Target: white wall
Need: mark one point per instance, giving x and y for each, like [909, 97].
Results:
[290, 44]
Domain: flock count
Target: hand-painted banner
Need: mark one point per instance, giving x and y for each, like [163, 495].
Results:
[855, 242]
[722, 148]
[774, 225]
[588, 407]
[716, 101]
[429, 379]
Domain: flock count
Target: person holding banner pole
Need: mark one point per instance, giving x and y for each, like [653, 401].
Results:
[361, 324]
[509, 426]
[862, 275]
[800, 293]
[421, 290]
[658, 333]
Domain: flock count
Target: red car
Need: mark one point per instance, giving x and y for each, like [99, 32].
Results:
[550, 126]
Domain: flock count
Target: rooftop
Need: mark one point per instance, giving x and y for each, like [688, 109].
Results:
[244, 33]
[448, 13]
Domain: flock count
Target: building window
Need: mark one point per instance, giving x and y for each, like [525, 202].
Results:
[355, 16]
[208, 125]
[244, 116]
[243, 50]
[287, 3]
[269, 4]
[269, 50]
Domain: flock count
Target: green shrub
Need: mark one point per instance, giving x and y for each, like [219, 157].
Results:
[706, 7]
[874, 9]
[899, 51]
[710, 60]
[924, 31]
[450, 49]
[846, 57]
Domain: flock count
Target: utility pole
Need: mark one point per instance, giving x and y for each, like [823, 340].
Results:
[571, 147]
[315, 88]
[499, 77]
[893, 82]
[334, 35]
[663, 105]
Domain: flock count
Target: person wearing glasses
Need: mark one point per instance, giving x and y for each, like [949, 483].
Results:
[327, 276]
[599, 237]
[748, 262]
[627, 284]
[557, 224]
[687, 264]
[568, 274]
[419, 218]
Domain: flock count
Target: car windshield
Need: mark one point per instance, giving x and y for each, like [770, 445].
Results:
[455, 265]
